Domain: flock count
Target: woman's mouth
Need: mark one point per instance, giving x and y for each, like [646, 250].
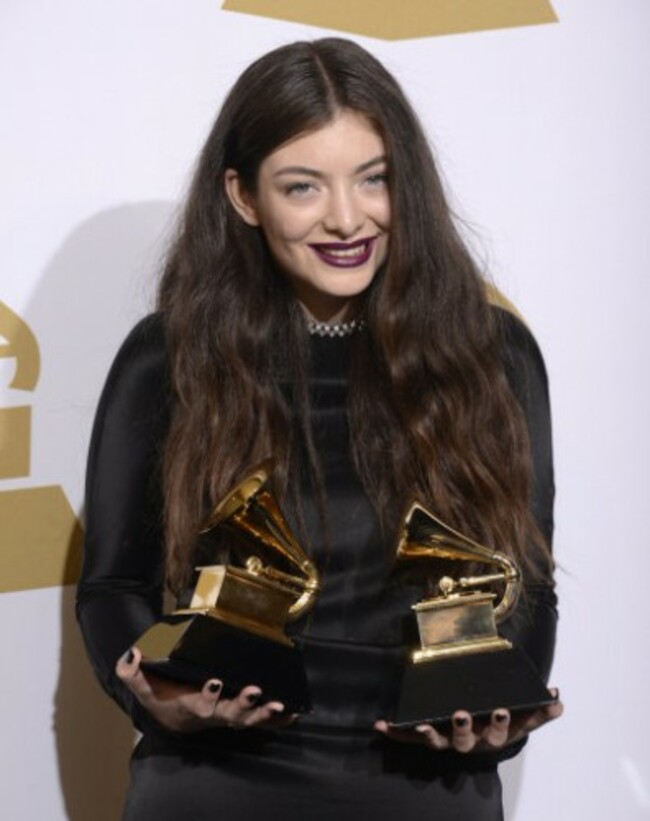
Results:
[344, 254]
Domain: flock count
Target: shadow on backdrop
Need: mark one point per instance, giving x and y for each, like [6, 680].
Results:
[97, 285]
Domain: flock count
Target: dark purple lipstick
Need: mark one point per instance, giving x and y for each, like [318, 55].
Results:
[344, 254]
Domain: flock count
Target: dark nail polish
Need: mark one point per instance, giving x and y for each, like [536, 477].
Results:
[500, 717]
[130, 656]
[214, 686]
[254, 699]
[461, 721]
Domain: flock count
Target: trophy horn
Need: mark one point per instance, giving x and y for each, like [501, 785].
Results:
[252, 510]
[424, 536]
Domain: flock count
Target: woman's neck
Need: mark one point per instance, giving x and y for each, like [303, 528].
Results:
[334, 314]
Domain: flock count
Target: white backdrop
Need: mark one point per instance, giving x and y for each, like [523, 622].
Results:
[543, 133]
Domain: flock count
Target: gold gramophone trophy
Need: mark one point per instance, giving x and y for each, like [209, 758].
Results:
[463, 663]
[234, 628]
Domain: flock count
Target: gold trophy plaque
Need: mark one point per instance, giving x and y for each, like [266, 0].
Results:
[234, 628]
[462, 663]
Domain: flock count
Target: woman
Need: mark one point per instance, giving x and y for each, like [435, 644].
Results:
[318, 307]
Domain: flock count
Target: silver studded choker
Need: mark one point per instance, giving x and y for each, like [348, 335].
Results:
[316, 328]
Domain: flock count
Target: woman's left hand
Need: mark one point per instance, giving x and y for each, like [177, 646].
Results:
[468, 736]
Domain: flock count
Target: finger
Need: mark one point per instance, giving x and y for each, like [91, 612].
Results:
[527, 722]
[128, 663]
[208, 698]
[248, 698]
[282, 720]
[396, 733]
[542, 716]
[129, 671]
[233, 712]
[273, 712]
[211, 690]
[404, 735]
[556, 708]
[432, 737]
[410, 735]
[463, 738]
[495, 733]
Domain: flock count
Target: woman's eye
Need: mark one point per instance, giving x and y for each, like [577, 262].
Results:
[377, 180]
[299, 188]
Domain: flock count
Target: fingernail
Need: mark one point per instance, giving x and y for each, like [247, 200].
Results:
[555, 693]
[214, 686]
[130, 656]
[277, 708]
[461, 721]
[421, 728]
[254, 698]
[500, 717]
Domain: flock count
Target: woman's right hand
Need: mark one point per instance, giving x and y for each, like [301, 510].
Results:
[181, 708]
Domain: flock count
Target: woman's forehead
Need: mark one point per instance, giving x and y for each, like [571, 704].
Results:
[349, 140]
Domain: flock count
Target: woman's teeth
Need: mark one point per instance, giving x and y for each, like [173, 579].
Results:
[339, 254]
[346, 252]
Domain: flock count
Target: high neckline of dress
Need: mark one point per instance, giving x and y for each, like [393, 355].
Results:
[330, 356]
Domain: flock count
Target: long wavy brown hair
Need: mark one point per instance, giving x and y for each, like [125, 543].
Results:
[430, 410]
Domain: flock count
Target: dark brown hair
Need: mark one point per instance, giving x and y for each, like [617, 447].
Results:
[430, 411]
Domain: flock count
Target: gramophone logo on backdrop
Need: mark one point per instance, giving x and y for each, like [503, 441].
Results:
[402, 19]
[40, 535]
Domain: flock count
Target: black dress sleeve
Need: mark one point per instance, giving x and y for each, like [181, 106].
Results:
[120, 591]
[532, 625]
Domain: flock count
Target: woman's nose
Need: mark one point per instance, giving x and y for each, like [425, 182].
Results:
[344, 215]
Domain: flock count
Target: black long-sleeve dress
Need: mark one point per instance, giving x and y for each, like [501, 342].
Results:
[330, 764]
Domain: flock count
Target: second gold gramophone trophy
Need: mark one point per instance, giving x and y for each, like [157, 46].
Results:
[462, 663]
[234, 628]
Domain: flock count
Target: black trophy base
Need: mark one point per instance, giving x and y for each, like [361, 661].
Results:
[194, 648]
[433, 691]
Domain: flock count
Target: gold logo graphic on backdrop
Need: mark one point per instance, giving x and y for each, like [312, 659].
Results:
[402, 19]
[40, 534]
[15, 422]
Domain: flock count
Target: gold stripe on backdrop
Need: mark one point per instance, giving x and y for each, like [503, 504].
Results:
[15, 442]
[20, 344]
[41, 539]
[402, 19]
[495, 297]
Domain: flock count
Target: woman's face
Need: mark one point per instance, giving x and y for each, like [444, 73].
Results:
[322, 203]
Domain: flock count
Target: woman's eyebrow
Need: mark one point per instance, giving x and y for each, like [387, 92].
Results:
[298, 169]
[381, 159]
[312, 172]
